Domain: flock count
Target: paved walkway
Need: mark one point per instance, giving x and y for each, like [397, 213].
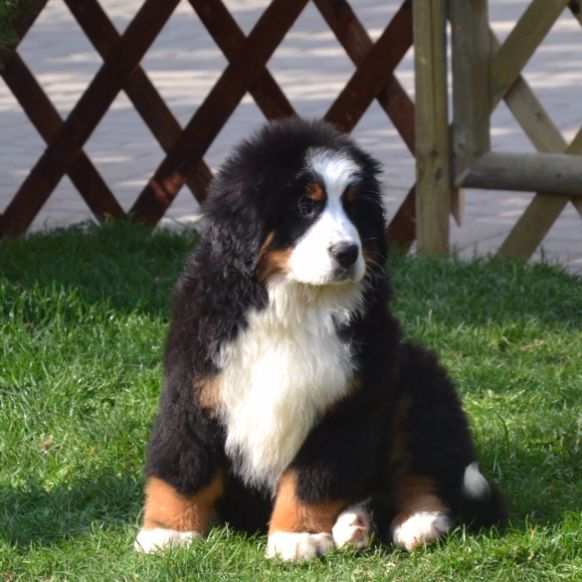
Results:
[311, 68]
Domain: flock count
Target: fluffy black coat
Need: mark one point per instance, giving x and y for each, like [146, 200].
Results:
[349, 452]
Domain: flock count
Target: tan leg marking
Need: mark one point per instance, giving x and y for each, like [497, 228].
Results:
[422, 517]
[411, 493]
[165, 507]
[292, 514]
[300, 530]
[416, 493]
[207, 391]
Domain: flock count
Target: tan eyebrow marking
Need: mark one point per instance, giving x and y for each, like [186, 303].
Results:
[315, 192]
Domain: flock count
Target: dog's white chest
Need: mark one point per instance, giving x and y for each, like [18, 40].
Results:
[279, 377]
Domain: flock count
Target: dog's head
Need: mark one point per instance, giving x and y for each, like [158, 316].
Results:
[300, 201]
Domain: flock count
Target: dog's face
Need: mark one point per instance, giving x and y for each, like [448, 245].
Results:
[326, 224]
[299, 202]
[329, 250]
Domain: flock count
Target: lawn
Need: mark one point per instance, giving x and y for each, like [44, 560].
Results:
[82, 321]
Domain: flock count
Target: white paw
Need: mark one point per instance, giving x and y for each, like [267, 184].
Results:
[290, 546]
[352, 527]
[152, 540]
[420, 528]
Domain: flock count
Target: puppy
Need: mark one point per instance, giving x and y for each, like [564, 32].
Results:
[291, 400]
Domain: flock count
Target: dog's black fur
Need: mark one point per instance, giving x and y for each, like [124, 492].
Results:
[404, 394]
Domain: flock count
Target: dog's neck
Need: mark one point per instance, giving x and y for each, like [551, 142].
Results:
[292, 303]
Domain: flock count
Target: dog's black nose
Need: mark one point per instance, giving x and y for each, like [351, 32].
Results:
[345, 253]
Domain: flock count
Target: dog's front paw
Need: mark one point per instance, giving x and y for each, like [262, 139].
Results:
[422, 527]
[292, 546]
[352, 527]
[152, 540]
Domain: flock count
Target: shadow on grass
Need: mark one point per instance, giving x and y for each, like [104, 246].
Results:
[123, 265]
[128, 268]
[33, 514]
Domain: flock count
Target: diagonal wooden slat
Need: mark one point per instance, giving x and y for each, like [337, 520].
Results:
[48, 122]
[530, 113]
[141, 92]
[538, 218]
[373, 72]
[575, 7]
[219, 104]
[402, 228]
[86, 114]
[392, 98]
[24, 21]
[543, 210]
[356, 41]
[521, 43]
[230, 38]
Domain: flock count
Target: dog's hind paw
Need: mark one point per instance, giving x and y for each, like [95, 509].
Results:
[422, 527]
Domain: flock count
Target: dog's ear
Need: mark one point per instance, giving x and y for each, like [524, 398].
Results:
[234, 225]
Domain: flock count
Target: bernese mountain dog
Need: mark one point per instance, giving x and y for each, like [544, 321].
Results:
[292, 402]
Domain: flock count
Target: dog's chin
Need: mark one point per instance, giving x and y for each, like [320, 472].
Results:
[343, 276]
[338, 277]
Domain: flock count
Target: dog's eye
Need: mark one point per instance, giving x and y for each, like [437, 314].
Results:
[308, 207]
[351, 194]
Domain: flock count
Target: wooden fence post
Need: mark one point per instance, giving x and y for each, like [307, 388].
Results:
[434, 188]
[471, 86]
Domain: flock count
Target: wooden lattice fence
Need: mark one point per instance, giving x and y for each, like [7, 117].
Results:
[449, 157]
[185, 147]
[484, 73]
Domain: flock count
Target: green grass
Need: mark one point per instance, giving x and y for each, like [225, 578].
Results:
[83, 315]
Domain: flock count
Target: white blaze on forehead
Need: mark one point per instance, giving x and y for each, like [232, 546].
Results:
[335, 169]
[311, 261]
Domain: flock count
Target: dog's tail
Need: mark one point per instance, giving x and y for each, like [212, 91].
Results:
[478, 503]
